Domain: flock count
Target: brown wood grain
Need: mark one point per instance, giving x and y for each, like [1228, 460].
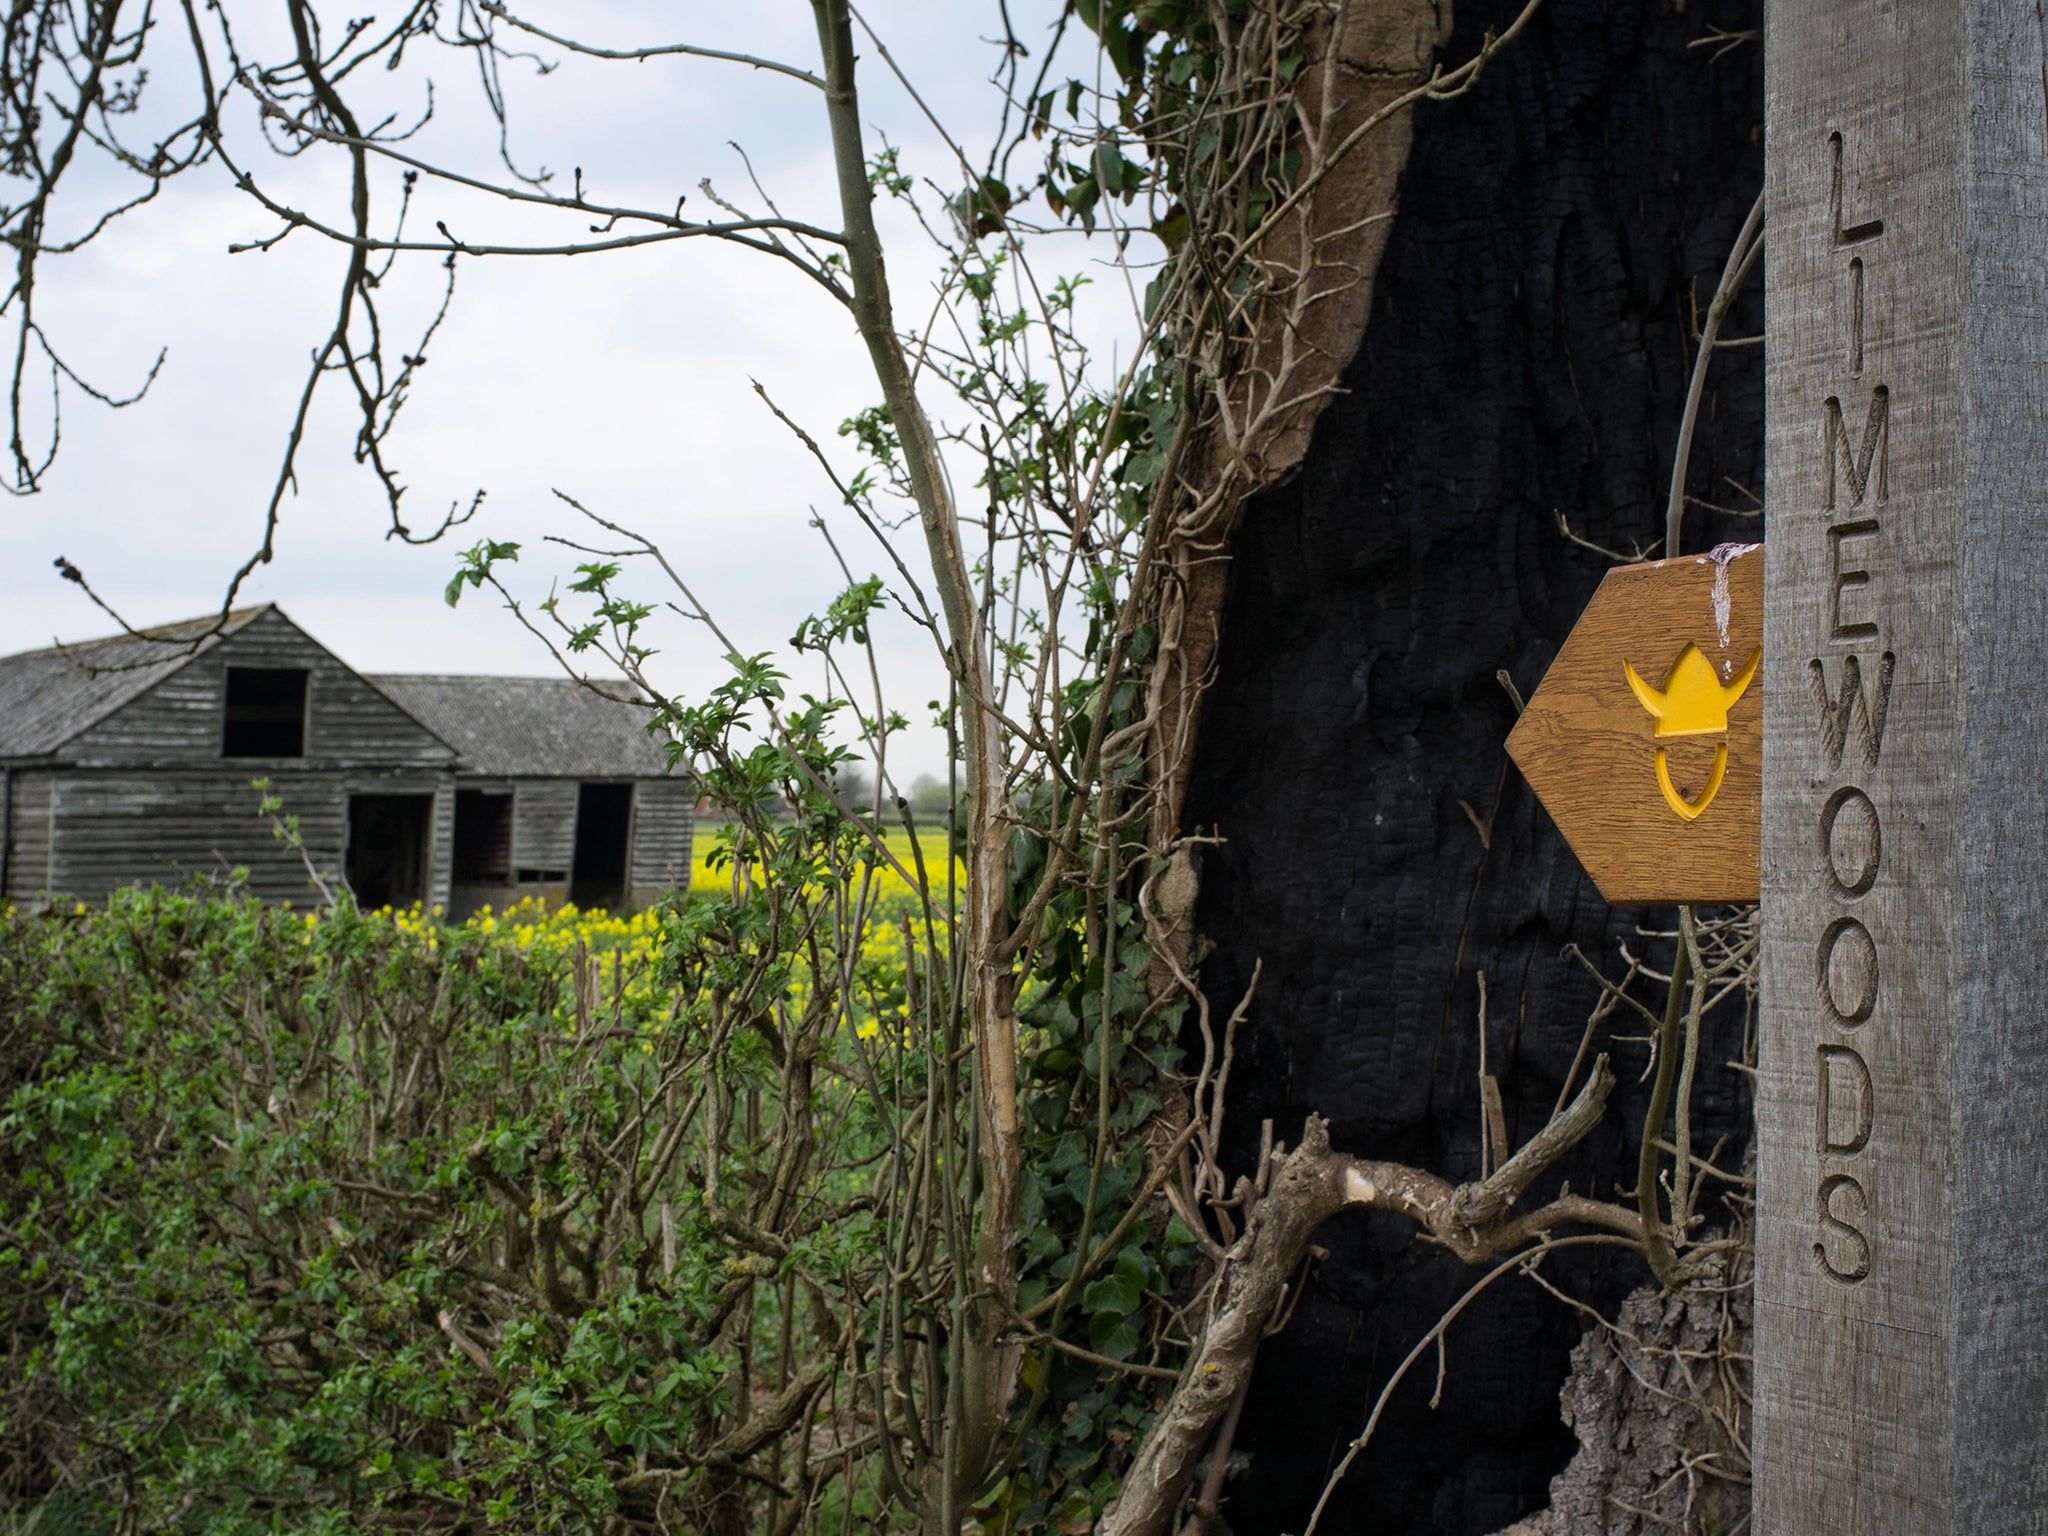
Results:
[1588, 746]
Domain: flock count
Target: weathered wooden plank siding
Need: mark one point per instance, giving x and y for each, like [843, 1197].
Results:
[441, 846]
[664, 821]
[148, 794]
[28, 853]
[543, 824]
[1902, 1307]
[115, 827]
[348, 721]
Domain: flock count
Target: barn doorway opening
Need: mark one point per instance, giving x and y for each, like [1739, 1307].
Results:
[480, 865]
[387, 849]
[604, 820]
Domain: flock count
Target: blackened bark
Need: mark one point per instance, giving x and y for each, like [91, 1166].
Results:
[1527, 353]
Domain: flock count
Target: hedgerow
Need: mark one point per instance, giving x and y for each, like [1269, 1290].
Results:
[337, 1222]
[340, 1221]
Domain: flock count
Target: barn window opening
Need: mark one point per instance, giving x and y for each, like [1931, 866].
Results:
[387, 849]
[597, 868]
[265, 712]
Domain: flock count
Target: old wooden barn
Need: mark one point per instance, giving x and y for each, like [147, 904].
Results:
[130, 759]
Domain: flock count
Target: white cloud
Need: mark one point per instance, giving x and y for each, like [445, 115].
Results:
[622, 379]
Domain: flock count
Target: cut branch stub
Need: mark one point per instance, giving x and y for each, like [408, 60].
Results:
[1473, 1205]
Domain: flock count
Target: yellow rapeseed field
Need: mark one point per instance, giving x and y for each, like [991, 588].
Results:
[622, 951]
[885, 945]
[703, 877]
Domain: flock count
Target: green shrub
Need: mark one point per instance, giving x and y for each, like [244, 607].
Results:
[347, 1222]
[359, 1223]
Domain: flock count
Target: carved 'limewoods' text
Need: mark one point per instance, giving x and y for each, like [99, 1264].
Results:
[1851, 707]
[1842, 1105]
[1852, 842]
[1848, 973]
[1852, 234]
[1844, 1250]
[1847, 969]
[1845, 578]
[1857, 467]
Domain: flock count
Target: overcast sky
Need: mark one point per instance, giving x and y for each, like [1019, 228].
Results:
[622, 379]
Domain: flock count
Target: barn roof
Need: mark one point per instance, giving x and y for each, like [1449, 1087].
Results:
[530, 727]
[49, 696]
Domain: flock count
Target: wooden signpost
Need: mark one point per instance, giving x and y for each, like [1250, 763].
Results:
[1902, 1204]
[1894, 756]
[1645, 740]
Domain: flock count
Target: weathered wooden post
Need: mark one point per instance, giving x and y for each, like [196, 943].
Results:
[1902, 1230]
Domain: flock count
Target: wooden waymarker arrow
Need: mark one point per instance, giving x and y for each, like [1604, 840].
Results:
[1645, 741]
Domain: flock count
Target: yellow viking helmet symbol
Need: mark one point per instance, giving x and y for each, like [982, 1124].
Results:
[1692, 702]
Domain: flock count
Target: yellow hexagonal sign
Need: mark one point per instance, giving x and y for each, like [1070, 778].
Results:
[1645, 741]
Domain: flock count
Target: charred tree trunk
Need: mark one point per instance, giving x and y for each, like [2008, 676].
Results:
[1526, 354]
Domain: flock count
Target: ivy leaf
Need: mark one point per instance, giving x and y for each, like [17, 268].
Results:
[1118, 1293]
[1112, 1336]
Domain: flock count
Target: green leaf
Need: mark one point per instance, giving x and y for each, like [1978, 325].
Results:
[1116, 1294]
[1112, 1336]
